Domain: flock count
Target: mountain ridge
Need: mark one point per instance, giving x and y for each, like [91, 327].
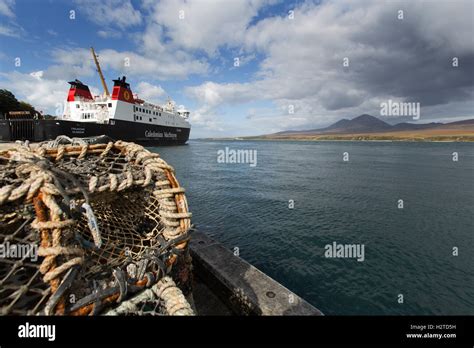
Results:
[370, 124]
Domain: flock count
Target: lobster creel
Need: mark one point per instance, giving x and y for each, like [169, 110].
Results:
[90, 229]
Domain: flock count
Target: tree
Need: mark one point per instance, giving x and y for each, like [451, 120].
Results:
[24, 106]
[8, 102]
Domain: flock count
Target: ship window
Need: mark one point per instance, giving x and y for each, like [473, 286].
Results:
[160, 113]
[150, 119]
[78, 106]
[110, 105]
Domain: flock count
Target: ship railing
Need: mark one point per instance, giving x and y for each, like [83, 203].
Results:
[154, 106]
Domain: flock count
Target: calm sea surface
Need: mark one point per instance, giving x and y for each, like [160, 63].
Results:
[408, 251]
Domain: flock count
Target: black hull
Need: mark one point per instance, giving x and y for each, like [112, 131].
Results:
[141, 133]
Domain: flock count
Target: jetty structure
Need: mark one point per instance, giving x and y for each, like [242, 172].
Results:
[119, 115]
[102, 227]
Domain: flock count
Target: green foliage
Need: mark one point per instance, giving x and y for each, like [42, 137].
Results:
[8, 102]
[24, 106]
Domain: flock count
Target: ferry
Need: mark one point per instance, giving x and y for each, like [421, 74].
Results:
[119, 115]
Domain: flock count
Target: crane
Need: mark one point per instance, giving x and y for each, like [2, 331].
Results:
[106, 90]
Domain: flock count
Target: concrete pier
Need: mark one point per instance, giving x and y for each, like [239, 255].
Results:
[241, 287]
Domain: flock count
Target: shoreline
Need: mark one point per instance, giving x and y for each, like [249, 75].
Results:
[340, 140]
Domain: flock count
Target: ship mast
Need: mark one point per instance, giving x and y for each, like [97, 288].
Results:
[106, 90]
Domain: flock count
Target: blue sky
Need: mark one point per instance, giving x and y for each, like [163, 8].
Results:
[186, 49]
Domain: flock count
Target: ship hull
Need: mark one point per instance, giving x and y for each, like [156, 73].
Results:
[141, 133]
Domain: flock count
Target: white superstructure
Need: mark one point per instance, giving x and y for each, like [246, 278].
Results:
[101, 109]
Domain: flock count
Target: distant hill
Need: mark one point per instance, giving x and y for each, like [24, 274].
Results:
[362, 123]
[367, 127]
[366, 124]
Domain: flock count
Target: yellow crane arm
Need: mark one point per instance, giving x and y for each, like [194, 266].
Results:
[106, 90]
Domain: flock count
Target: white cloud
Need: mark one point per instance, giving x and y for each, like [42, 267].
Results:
[215, 94]
[70, 64]
[6, 8]
[8, 25]
[45, 95]
[109, 34]
[9, 31]
[207, 24]
[154, 54]
[149, 92]
[163, 66]
[205, 120]
[120, 13]
[77, 62]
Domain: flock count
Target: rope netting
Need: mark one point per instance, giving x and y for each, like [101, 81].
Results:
[84, 227]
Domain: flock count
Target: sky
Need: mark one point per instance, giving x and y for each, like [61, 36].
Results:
[248, 67]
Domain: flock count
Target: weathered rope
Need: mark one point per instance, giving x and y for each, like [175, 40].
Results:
[165, 291]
